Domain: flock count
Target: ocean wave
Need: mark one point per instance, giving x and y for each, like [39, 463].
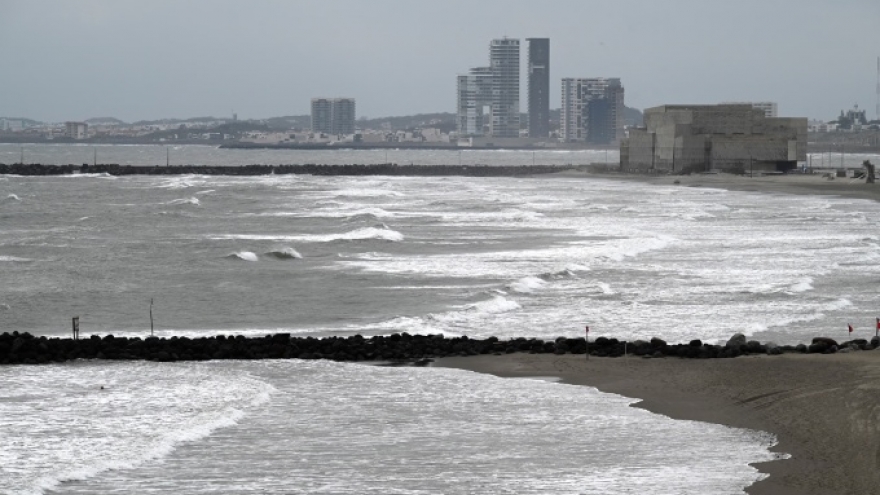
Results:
[528, 284]
[285, 253]
[244, 256]
[563, 274]
[185, 201]
[802, 285]
[14, 259]
[498, 304]
[13, 197]
[194, 400]
[366, 193]
[367, 233]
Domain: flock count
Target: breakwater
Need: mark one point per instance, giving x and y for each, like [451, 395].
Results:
[25, 348]
[305, 169]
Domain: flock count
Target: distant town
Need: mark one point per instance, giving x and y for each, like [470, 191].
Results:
[591, 114]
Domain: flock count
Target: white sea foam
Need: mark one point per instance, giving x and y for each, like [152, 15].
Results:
[385, 234]
[60, 425]
[528, 284]
[244, 256]
[802, 285]
[498, 304]
[13, 197]
[185, 201]
[14, 259]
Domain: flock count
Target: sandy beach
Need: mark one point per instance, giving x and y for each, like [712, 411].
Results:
[824, 409]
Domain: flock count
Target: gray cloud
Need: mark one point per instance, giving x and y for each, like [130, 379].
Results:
[139, 60]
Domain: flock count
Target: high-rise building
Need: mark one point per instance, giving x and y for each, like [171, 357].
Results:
[488, 97]
[342, 116]
[333, 115]
[539, 87]
[504, 62]
[474, 102]
[592, 110]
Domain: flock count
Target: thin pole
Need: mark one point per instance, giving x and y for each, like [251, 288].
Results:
[588, 342]
[151, 317]
[22, 155]
[95, 161]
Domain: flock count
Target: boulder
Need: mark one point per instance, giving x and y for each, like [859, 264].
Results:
[825, 340]
[737, 340]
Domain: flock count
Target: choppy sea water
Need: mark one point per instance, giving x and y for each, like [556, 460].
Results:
[304, 427]
[507, 257]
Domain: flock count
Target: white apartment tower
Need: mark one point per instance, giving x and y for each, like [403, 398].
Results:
[504, 62]
[592, 110]
[333, 115]
[488, 97]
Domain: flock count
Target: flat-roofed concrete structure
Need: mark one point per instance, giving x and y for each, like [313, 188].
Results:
[735, 138]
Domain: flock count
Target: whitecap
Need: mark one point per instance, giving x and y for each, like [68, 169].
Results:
[498, 304]
[13, 197]
[528, 284]
[244, 256]
[185, 201]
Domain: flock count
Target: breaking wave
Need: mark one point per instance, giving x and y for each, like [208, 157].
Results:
[13, 197]
[185, 201]
[244, 256]
[528, 284]
[286, 253]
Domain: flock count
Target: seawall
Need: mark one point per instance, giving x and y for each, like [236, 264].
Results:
[16, 348]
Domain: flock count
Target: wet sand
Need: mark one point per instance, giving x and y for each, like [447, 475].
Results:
[824, 409]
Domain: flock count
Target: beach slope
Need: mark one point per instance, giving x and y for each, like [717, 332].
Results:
[824, 409]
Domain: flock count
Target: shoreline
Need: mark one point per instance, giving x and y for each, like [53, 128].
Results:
[823, 410]
[801, 184]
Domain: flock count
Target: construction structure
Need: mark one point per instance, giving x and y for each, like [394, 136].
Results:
[592, 110]
[734, 138]
[488, 97]
[333, 116]
[539, 87]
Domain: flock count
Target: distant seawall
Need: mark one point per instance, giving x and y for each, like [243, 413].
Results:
[25, 348]
[306, 169]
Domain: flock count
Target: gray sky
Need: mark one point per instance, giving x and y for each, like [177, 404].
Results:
[134, 60]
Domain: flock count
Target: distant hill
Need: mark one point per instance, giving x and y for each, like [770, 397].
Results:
[104, 121]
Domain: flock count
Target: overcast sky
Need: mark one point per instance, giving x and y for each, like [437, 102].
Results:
[71, 60]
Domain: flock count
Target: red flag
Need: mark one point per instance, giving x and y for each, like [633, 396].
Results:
[850, 327]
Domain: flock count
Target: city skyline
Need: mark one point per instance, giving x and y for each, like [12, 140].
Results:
[142, 61]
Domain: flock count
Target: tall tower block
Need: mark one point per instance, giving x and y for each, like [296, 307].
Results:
[539, 87]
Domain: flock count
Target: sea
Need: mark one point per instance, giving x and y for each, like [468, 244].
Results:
[319, 256]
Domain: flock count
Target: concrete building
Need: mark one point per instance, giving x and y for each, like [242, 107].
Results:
[592, 110]
[333, 116]
[770, 109]
[76, 130]
[488, 97]
[539, 87]
[735, 138]
[504, 62]
[474, 102]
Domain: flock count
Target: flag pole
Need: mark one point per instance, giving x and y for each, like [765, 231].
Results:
[151, 317]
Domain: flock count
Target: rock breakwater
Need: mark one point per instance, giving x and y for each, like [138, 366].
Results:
[24, 348]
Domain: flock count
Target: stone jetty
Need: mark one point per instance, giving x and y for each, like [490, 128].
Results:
[24, 348]
[306, 169]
